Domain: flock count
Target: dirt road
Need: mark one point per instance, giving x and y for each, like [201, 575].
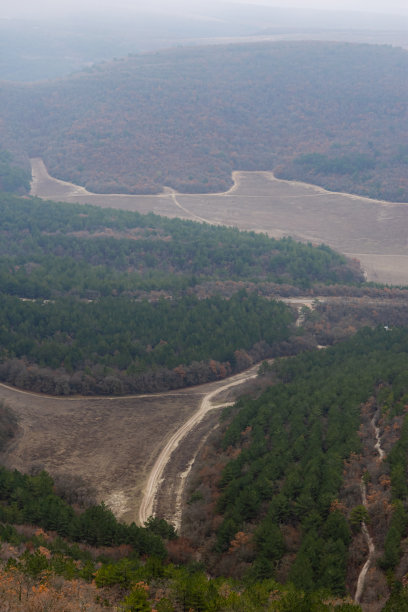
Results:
[112, 444]
[155, 478]
[109, 443]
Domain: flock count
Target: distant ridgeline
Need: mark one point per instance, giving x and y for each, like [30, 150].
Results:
[83, 306]
[288, 499]
[329, 113]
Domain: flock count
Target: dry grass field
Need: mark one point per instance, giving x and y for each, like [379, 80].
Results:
[371, 231]
[110, 443]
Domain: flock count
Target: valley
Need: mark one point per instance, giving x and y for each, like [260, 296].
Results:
[204, 330]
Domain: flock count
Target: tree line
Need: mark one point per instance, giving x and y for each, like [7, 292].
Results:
[50, 249]
[121, 341]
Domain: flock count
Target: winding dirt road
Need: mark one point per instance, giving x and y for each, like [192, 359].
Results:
[369, 539]
[155, 478]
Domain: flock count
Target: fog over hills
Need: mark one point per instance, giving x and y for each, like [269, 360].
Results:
[51, 41]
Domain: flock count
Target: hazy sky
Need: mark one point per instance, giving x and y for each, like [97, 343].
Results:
[381, 6]
[41, 8]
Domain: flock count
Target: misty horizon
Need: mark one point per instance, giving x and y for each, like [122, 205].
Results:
[182, 8]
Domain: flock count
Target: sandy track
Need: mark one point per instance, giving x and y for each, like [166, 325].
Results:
[366, 566]
[155, 478]
[111, 443]
[185, 210]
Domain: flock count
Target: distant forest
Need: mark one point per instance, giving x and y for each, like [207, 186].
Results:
[333, 114]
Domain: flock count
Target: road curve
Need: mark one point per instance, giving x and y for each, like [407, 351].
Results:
[156, 475]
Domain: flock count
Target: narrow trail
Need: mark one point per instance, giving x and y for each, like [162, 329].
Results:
[377, 436]
[156, 475]
[369, 539]
[186, 210]
[178, 506]
[366, 566]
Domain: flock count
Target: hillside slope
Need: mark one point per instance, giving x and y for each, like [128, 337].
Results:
[187, 117]
[281, 494]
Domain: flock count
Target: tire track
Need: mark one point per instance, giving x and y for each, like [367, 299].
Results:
[155, 478]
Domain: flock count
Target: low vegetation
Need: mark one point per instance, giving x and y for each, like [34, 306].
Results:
[43, 569]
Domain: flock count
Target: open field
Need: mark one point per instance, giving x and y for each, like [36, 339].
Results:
[373, 231]
[111, 443]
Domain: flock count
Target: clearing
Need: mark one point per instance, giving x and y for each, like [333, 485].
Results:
[372, 231]
[112, 443]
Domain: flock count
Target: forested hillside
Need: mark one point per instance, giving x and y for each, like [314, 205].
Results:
[275, 512]
[48, 250]
[330, 113]
[111, 302]
[57, 559]
[13, 179]
[285, 481]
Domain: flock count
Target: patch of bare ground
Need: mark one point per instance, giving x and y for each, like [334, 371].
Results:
[372, 231]
[170, 497]
[109, 444]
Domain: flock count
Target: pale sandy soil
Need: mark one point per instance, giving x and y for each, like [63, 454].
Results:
[372, 231]
[112, 443]
[155, 479]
